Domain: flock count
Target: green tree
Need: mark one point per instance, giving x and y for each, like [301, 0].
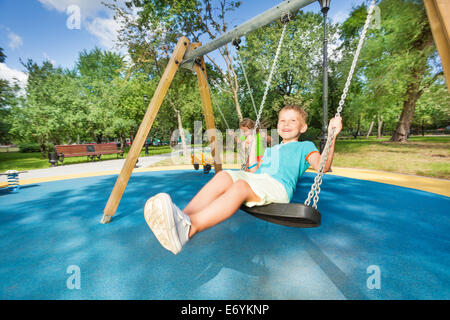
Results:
[100, 72]
[8, 99]
[100, 64]
[433, 107]
[52, 98]
[297, 78]
[397, 61]
[151, 36]
[2, 56]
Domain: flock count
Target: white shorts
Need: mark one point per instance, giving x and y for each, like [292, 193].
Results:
[268, 189]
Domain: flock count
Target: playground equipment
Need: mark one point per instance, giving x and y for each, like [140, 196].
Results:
[13, 179]
[190, 56]
[202, 160]
[296, 214]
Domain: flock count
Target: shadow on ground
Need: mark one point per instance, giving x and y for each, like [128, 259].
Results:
[45, 228]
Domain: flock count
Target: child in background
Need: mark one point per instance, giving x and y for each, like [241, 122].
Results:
[245, 141]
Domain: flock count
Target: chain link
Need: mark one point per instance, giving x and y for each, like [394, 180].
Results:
[246, 80]
[266, 91]
[315, 188]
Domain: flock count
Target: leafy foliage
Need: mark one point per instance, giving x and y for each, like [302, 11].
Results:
[105, 96]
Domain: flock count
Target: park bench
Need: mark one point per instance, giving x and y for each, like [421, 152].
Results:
[92, 151]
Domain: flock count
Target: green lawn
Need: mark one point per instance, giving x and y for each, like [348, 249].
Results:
[28, 161]
[425, 156]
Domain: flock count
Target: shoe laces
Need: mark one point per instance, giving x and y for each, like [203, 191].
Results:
[180, 216]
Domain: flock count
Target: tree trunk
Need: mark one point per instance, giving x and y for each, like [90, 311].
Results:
[380, 127]
[370, 129]
[413, 94]
[122, 143]
[413, 88]
[238, 106]
[181, 130]
[180, 127]
[44, 143]
[131, 136]
[42, 146]
[358, 129]
[231, 78]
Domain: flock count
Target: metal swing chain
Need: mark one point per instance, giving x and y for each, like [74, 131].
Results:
[220, 111]
[241, 156]
[266, 91]
[236, 43]
[315, 188]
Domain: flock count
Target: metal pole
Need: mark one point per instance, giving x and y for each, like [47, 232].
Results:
[325, 81]
[268, 16]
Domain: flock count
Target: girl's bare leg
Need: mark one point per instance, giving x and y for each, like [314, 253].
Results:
[210, 191]
[223, 207]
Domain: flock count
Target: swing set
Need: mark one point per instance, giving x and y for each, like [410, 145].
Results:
[190, 55]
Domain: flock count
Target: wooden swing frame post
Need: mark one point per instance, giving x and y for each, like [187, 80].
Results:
[152, 111]
[200, 70]
[438, 12]
[144, 129]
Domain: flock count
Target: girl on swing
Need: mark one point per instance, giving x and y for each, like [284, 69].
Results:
[245, 141]
[274, 181]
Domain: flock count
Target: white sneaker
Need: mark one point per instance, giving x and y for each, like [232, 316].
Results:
[183, 224]
[159, 215]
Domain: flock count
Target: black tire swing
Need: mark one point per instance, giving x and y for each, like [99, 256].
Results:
[287, 214]
[297, 214]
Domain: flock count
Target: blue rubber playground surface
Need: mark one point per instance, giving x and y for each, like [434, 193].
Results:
[372, 234]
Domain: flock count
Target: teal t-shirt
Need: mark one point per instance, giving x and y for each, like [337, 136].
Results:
[286, 162]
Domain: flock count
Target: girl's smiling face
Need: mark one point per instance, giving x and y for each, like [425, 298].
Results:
[290, 125]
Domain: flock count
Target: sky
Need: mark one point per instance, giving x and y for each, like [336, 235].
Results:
[51, 30]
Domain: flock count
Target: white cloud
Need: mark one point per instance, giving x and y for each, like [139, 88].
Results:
[13, 75]
[88, 8]
[340, 16]
[47, 57]
[105, 29]
[15, 41]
